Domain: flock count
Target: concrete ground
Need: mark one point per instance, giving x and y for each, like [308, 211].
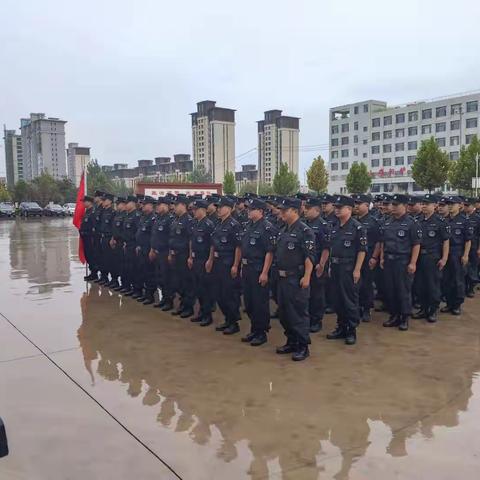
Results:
[96, 386]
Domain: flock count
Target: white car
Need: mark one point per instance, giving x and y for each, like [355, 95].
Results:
[69, 208]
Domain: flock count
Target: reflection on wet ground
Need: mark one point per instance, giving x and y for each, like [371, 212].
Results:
[395, 406]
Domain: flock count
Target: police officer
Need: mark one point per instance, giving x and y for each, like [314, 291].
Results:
[200, 242]
[224, 262]
[371, 225]
[432, 260]
[460, 242]
[240, 213]
[159, 246]
[86, 234]
[145, 272]
[328, 213]
[179, 245]
[117, 252]
[321, 229]
[97, 248]
[349, 247]
[415, 207]
[106, 223]
[258, 245]
[212, 201]
[130, 225]
[295, 258]
[471, 278]
[401, 237]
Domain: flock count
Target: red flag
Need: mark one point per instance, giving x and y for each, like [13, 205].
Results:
[78, 215]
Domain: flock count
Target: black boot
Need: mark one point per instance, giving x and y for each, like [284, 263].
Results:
[168, 306]
[432, 315]
[287, 348]
[221, 327]
[177, 312]
[206, 321]
[470, 293]
[258, 339]
[196, 319]
[141, 299]
[315, 327]
[301, 353]
[393, 321]
[231, 329]
[161, 303]
[336, 334]
[186, 312]
[367, 316]
[329, 310]
[248, 338]
[149, 300]
[446, 309]
[351, 336]
[137, 294]
[403, 325]
[420, 314]
[128, 293]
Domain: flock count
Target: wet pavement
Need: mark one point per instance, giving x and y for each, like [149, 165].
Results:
[95, 386]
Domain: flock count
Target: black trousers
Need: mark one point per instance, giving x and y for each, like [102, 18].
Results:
[293, 310]
[130, 266]
[366, 286]
[182, 279]
[117, 260]
[225, 290]
[96, 252]
[346, 295]
[145, 273]
[202, 287]
[163, 275]
[455, 280]
[471, 278]
[256, 298]
[105, 256]
[317, 303]
[273, 282]
[88, 250]
[398, 286]
[428, 279]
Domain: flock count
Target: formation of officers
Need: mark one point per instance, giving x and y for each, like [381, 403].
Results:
[311, 254]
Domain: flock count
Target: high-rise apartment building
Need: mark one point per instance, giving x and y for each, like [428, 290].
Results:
[386, 138]
[43, 141]
[213, 139]
[277, 144]
[13, 156]
[77, 160]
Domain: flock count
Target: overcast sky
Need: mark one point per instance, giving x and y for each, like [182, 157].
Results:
[126, 74]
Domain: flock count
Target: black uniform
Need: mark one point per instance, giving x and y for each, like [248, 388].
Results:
[258, 240]
[332, 221]
[145, 273]
[106, 223]
[471, 279]
[295, 244]
[347, 241]
[117, 252]
[130, 225]
[435, 230]
[201, 237]
[87, 235]
[97, 236]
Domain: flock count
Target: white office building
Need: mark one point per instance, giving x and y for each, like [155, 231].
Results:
[277, 143]
[13, 156]
[77, 161]
[386, 138]
[213, 139]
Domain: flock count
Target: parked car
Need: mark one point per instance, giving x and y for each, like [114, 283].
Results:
[69, 209]
[7, 210]
[30, 209]
[53, 210]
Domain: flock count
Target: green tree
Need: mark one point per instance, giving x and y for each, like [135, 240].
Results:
[120, 189]
[464, 169]
[285, 182]
[358, 179]
[44, 189]
[199, 175]
[20, 192]
[229, 183]
[251, 187]
[317, 175]
[430, 168]
[67, 189]
[4, 193]
[97, 179]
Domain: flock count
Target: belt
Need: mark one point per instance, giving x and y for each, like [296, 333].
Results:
[223, 255]
[338, 260]
[200, 254]
[291, 273]
[424, 251]
[246, 261]
[392, 256]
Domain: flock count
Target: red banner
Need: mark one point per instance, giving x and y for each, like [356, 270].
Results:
[78, 215]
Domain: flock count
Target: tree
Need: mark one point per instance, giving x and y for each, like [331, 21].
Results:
[97, 179]
[464, 169]
[285, 182]
[4, 193]
[67, 190]
[251, 187]
[229, 183]
[199, 175]
[317, 175]
[121, 190]
[20, 192]
[358, 179]
[44, 189]
[430, 168]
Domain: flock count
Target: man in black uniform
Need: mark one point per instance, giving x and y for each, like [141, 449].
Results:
[295, 257]
[328, 213]
[97, 236]
[432, 260]
[460, 242]
[471, 278]
[106, 222]
[130, 224]
[223, 262]
[200, 242]
[258, 245]
[212, 201]
[321, 229]
[349, 247]
[366, 294]
[240, 213]
[401, 237]
[159, 246]
[86, 234]
[145, 273]
[116, 246]
[179, 251]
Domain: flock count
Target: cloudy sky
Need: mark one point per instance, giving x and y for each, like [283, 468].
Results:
[126, 74]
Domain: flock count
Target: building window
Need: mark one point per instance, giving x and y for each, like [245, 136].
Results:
[375, 136]
[399, 132]
[454, 155]
[456, 109]
[412, 116]
[334, 142]
[472, 122]
[364, 155]
[365, 108]
[355, 139]
[387, 148]
[344, 165]
[365, 129]
[399, 160]
[355, 125]
[399, 147]
[426, 129]
[344, 140]
[468, 139]
[472, 106]
[441, 111]
[387, 120]
[400, 118]
[375, 149]
[387, 134]
[345, 127]
[334, 129]
[375, 162]
[365, 141]
[412, 131]
[411, 159]
[387, 162]
[344, 153]
[334, 166]
[335, 154]
[455, 125]
[355, 110]
[375, 122]
[440, 141]
[355, 152]
[454, 141]
[440, 127]
[412, 145]
[426, 114]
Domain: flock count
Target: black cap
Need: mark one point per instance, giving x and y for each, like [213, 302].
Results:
[182, 199]
[87, 198]
[250, 195]
[149, 200]
[226, 202]
[314, 202]
[443, 200]
[213, 199]
[344, 201]
[386, 198]
[98, 193]
[429, 198]
[140, 197]
[290, 202]
[199, 203]
[469, 200]
[400, 198]
[256, 204]
[132, 198]
[361, 198]
[413, 199]
[120, 200]
[454, 199]
[378, 198]
[108, 196]
[301, 196]
[328, 198]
